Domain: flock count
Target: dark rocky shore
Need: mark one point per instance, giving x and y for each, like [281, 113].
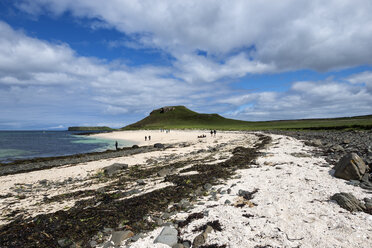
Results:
[335, 144]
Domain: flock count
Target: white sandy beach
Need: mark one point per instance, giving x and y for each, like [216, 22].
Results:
[292, 203]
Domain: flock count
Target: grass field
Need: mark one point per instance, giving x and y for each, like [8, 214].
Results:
[182, 118]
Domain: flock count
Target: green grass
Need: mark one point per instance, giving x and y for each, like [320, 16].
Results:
[183, 118]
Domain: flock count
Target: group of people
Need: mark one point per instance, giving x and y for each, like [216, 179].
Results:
[213, 132]
[165, 130]
[149, 137]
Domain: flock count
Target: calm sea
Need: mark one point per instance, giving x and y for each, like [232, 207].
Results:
[16, 145]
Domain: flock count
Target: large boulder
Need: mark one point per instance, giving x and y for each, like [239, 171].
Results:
[350, 167]
[348, 202]
[114, 168]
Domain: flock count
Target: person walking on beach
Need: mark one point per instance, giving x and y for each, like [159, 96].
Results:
[149, 137]
[211, 133]
[116, 145]
[145, 138]
[214, 133]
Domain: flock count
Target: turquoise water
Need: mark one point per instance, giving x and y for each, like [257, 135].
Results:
[16, 145]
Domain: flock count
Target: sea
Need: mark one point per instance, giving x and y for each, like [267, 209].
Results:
[18, 145]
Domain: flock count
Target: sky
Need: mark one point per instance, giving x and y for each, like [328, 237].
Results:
[92, 62]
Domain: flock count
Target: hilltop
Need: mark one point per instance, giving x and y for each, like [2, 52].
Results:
[180, 117]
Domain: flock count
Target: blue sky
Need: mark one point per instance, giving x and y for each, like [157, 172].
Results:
[91, 62]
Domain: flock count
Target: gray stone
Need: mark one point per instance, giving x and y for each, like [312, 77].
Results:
[164, 172]
[227, 202]
[167, 236]
[120, 236]
[207, 186]
[198, 241]
[350, 167]
[114, 168]
[348, 202]
[314, 142]
[64, 242]
[158, 145]
[186, 244]
[43, 182]
[93, 243]
[141, 182]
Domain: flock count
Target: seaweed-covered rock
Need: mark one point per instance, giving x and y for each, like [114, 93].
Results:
[350, 167]
[348, 202]
[158, 145]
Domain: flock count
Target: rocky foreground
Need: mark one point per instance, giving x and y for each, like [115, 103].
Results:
[256, 190]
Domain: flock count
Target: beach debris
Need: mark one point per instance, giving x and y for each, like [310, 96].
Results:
[190, 218]
[114, 169]
[348, 201]
[168, 236]
[119, 236]
[248, 195]
[350, 166]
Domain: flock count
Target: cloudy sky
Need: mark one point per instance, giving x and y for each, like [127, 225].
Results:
[95, 62]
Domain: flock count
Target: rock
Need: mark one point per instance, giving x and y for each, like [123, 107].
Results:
[348, 202]
[93, 243]
[350, 167]
[198, 241]
[114, 168]
[43, 182]
[227, 202]
[141, 182]
[201, 238]
[167, 236]
[207, 186]
[64, 242]
[186, 244]
[135, 146]
[338, 148]
[164, 172]
[158, 145]
[314, 142]
[120, 236]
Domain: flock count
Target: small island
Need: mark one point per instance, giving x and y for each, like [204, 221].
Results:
[102, 128]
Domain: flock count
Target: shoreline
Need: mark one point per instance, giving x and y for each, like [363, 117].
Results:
[197, 177]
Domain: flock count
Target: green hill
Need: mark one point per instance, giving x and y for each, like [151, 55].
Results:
[180, 117]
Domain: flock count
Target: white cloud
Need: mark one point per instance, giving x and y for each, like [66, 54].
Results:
[286, 35]
[362, 78]
[304, 100]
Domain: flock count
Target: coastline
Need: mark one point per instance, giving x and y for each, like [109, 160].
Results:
[197, 175]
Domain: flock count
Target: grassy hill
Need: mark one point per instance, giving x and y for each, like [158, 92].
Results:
[180, 117]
